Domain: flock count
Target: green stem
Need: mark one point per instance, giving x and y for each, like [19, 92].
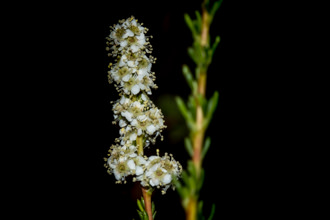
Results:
[139, 144]
[198, 135]
[191, 210]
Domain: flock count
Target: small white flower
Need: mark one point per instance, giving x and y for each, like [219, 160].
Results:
[120, 168]
[158, 176]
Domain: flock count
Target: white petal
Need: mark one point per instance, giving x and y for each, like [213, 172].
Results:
[131, 63]
[122, 100]
[143, 97]
[122, 61]
[133, 137]
[154, 182]
[133, 22]
[142, 72]
[151, 129]
[122, 123]
[134, 122]
[126, 78]
[151, 158]
[142, 86]
[131, 164]
[117, 175]
[154, 167]
[132, 155]
[141, 37]
[167, 179]
[135, 89]
[128, 33]
[123, 43]
[138, 170]
[127, 115]
[148, 173]
[134, 48]
[142, 117]
[141, 160]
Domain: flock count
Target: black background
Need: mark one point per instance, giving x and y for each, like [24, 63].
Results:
[68, 105]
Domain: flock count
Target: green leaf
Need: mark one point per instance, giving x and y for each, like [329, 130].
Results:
[182, 107]
[188, 76]
[179, 187]
[212, 49]
[185, 193]
[212, 212]
[185, 113]
[216, 43]
[188, 145]
[199, 52]
[206, 147]
[152, 207]
[141, 207]
[212, 105]
[192, 103]
[153, 210]
[145, 216]
[200, 209]
[190, 24]
[192, 184]
[201, 179]
[176, 181]
[195, 87]
[192, 169]
[140, 214]
[198, 21]
[215, 8]
[185, 178]
[192, 54]
[196, 52]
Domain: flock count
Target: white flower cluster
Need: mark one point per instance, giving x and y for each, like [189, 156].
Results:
[132, 72]
[153, 171]
[139, 119]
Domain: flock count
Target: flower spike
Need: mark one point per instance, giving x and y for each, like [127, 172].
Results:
[140, 121]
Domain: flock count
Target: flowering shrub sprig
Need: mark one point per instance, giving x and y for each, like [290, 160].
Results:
[140, 121]
[198, 110]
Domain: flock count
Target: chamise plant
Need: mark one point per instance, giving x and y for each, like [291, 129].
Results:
[198, 110]
[140, 121]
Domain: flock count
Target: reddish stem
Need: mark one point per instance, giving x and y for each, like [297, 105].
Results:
[147, 202]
